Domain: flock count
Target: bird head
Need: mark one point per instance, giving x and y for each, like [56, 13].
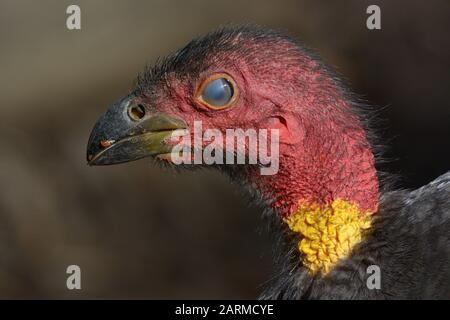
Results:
[232, 78]
[249, 78]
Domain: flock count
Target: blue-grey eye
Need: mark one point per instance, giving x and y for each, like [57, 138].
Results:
[218, 93]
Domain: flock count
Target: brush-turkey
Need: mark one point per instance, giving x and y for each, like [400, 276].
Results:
[334, 220]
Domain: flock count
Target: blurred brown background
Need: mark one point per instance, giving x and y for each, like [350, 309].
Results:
[137, 231]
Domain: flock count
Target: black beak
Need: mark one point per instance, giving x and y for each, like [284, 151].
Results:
[127, 132]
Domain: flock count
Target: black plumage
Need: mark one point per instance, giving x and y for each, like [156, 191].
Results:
[409, 241]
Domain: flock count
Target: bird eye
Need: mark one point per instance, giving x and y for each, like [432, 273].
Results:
[217, 92]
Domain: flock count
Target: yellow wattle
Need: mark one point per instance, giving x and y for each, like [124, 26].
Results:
[328, 233]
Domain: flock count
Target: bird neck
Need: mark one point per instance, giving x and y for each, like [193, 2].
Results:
[326, 193]
[348, 173]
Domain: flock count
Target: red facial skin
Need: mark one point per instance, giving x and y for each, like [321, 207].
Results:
[324, 153]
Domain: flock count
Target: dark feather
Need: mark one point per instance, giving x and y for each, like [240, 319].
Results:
[409, 241]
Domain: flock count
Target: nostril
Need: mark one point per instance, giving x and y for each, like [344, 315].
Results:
[106, 143]
[136, 112]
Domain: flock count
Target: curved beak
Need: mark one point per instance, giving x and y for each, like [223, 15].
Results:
[127, 132]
